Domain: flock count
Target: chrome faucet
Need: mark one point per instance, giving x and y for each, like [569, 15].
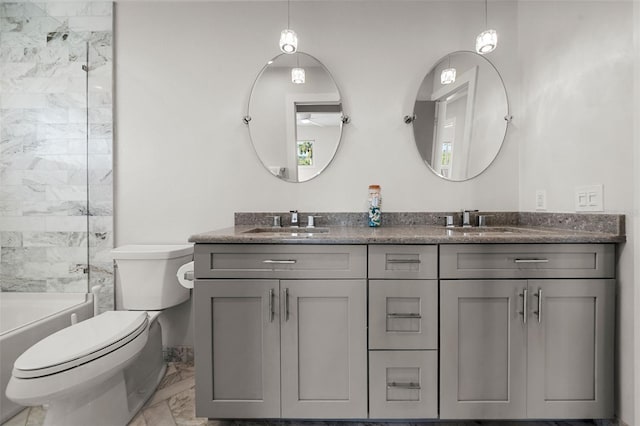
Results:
[466, 220]
[448, 220]
[294, 218]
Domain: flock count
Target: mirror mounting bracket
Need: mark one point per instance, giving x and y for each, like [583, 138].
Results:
[508, 118]
[246, 119]
[408, 119]
[345, 119]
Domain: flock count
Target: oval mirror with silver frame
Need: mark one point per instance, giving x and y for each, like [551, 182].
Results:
[295, 126]
[460, 116]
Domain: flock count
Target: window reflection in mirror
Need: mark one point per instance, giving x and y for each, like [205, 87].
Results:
[295, 128]
[317, 129]
[459, 127]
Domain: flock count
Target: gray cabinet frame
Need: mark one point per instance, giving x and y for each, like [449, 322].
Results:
[288, 325]
[526, 331]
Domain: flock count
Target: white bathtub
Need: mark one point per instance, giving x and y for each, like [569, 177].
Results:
[26, 318]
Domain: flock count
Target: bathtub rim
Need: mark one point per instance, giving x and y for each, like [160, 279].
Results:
[88, 298]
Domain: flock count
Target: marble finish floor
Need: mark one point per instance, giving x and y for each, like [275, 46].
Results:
[173, 404]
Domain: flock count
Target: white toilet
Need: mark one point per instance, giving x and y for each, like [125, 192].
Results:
[100, 371]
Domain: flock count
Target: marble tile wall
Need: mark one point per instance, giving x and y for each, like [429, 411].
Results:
[56, 192]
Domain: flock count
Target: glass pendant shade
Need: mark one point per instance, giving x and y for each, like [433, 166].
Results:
[288, 41]
[486, 41]
[448, 76]
[297, 75]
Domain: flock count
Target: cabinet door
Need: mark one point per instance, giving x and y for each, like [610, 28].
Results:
[237, 347]
[482, 349]
[570, 349]
[324, 349]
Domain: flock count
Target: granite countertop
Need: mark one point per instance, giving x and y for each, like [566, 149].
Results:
[417, 234]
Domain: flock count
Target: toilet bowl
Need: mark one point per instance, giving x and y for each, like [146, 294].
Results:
[102, 370]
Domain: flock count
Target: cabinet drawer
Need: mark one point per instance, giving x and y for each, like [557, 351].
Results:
[279, 261]
[403, 261]
[527, 261]
[403, 314]
[403, 384]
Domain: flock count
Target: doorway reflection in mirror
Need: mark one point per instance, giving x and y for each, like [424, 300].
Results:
[459, 125]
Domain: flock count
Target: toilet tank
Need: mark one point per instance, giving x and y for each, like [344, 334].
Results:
[146, 275]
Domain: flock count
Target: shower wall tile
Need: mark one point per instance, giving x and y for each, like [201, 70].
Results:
[65, 223]
[21, 223]
[11, 283]
[101, 8]
[10, 208]
[91, 23]
[11, 239]
[65, 100]
[11, 9]
[55, 139]
[54, 239]
[67, 192]
[22, 100]
[99, 161]
[68, 9]
[100, 146]
[55, 208]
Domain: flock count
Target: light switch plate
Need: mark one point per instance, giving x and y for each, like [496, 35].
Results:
[541, 199]
[589, 198]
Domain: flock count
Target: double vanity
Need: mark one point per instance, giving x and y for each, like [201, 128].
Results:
[409, 321]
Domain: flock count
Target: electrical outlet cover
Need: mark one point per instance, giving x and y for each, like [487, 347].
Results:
[541, 199]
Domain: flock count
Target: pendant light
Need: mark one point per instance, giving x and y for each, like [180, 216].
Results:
[488, 39]
[288, 37]
[448, 75]
[297, 73]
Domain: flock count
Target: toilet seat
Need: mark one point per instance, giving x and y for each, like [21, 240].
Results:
[81, 343]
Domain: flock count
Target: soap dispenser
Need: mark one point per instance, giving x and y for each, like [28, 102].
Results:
[375, 216]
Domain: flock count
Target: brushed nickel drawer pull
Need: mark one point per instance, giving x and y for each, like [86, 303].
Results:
[270, 305]
[409, 315]
[403, 261]
[280, 262]
[531, 260]
[410, 385]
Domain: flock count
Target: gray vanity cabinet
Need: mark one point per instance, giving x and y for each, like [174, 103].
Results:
[526, 348]
[570, 349]
[323, 349]
[483, 367]
[237, 346]
[268, 347]
[403, 331]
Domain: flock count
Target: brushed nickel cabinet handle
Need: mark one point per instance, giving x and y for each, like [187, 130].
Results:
[410, 385]
[409, 315]
[539, 311]
[286, 304]
[524, 296]
[531, 260]
[271, 305]
[280, 262]
[403, 261]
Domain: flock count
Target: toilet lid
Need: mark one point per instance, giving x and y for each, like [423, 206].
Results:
[80, 343]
